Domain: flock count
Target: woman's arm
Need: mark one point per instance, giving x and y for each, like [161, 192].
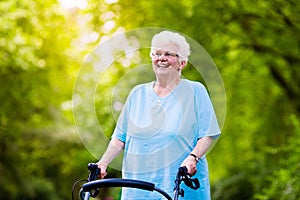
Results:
[199, 150]
[115, 146]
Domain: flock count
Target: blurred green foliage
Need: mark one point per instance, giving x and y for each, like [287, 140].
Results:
[254, 44]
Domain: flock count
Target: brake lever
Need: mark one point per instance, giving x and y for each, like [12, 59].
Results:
[93, 175]
[94, 172]
[192, 183]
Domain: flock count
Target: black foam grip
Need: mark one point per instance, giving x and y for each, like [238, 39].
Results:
[118, 182]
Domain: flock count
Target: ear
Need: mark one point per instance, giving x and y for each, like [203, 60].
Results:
[182, 64]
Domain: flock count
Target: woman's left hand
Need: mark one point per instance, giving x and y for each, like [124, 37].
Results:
[191, 165]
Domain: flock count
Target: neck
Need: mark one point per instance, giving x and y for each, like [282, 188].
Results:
[163, 87]
[168, 81]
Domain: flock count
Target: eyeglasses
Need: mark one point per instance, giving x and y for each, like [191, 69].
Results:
[167, 54]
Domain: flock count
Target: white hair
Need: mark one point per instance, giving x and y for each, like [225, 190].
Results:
[168, 37]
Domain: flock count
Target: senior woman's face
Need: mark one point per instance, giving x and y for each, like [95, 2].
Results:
[165, 60]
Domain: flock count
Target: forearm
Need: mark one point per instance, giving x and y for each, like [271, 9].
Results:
[202, 146]
[199, 150]
[115, 146]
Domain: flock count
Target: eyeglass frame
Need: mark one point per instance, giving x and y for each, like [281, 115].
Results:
[168, 54]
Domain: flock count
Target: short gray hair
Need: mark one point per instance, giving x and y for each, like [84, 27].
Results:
[168, 37]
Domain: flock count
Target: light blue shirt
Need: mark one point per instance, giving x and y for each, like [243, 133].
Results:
[159, 133]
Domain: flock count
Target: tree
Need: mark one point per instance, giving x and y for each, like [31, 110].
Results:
[35, 80]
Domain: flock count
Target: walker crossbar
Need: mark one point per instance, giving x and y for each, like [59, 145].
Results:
[118, 182]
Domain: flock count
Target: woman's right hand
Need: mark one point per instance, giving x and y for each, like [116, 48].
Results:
[114, 148]
[103, 167]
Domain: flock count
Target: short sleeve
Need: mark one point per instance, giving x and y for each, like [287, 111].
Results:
[207, 124]
[121, 128]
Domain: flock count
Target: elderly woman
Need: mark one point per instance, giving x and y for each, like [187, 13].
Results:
[165, 124]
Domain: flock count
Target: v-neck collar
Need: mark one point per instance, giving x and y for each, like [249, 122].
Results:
[172, 91]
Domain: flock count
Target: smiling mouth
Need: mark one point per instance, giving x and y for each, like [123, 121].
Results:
[163, 66]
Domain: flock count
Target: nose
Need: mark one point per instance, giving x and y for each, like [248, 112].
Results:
[162, 57]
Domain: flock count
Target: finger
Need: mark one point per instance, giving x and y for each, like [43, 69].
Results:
[103, 175]
[103, 172]
[194, 172]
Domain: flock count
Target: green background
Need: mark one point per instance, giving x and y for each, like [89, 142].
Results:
[255, 45]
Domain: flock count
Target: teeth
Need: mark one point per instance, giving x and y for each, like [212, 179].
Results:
[162, 65]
